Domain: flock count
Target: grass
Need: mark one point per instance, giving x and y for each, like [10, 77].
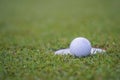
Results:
[30, 32]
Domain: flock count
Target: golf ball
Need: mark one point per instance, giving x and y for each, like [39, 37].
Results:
[80, 47]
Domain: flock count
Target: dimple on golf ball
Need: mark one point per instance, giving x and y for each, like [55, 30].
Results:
[80, 47]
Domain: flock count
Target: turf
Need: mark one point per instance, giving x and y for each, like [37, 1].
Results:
[31, 30]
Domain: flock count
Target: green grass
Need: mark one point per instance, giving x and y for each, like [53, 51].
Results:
[31, 30]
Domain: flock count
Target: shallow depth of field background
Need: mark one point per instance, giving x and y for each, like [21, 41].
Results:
[31, 30]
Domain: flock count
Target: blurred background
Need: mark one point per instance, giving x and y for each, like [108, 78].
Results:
[59, 17]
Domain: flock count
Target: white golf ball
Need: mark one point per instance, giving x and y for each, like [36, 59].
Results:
[80, 47]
